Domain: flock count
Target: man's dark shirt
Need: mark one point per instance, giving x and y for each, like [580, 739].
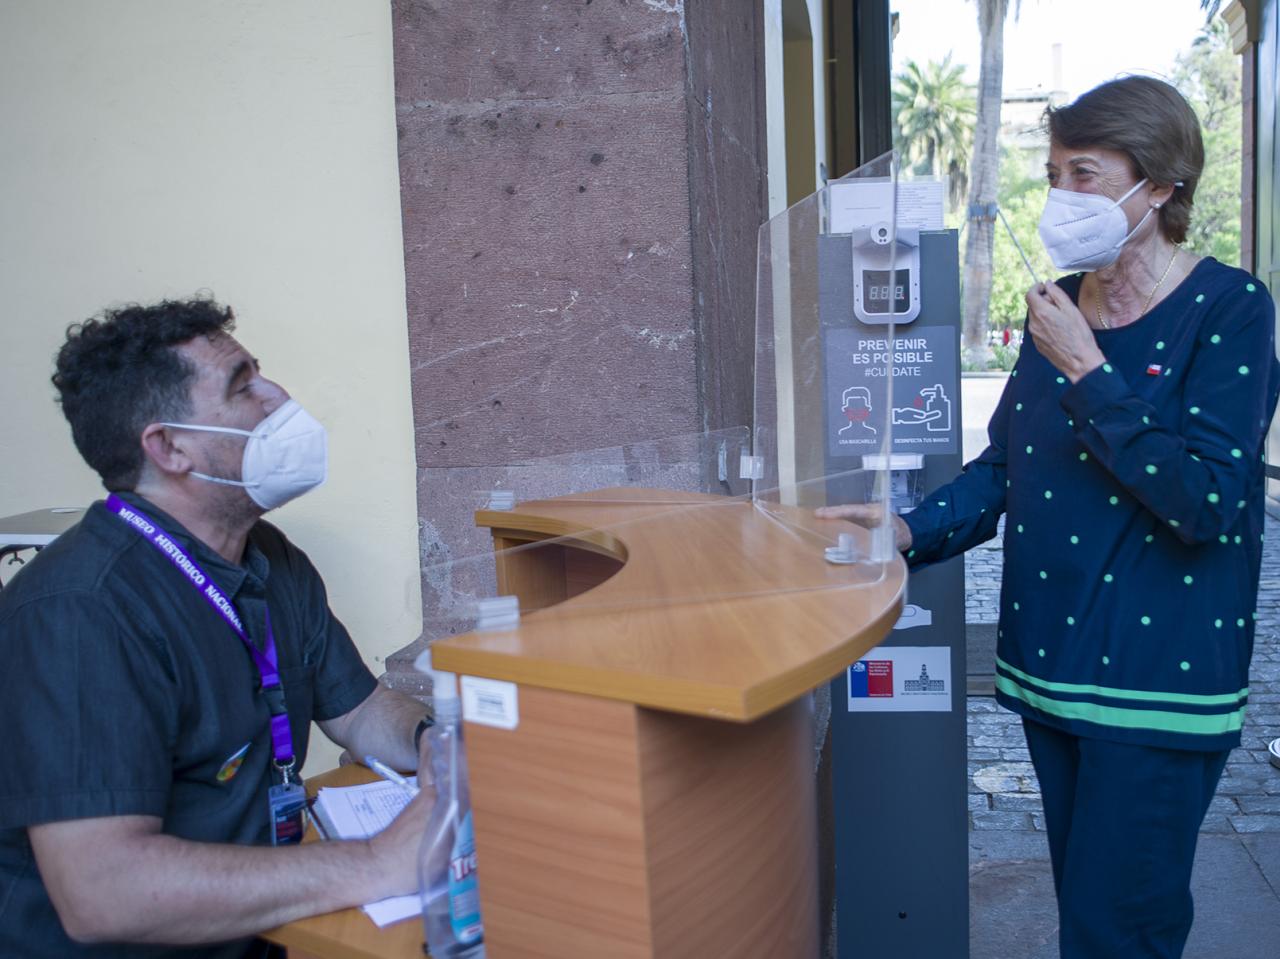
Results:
[124, 693]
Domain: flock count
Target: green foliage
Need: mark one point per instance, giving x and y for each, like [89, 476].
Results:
[1004, 357]
[1208, 75]
[934, 112]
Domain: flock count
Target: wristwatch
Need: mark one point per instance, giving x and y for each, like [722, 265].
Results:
[425, 723]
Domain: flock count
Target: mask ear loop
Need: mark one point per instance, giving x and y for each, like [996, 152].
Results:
[209, 429]
[216, 429]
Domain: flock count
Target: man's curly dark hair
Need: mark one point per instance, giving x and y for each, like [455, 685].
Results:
[119, 372]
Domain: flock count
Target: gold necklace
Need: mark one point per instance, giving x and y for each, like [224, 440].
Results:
[1097, 301]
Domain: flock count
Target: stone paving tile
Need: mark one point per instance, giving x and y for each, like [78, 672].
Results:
[1003, 791]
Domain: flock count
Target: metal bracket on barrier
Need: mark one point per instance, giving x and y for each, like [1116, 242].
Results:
[751, 467]
[502, 499]
[500, 612]
[843, 553]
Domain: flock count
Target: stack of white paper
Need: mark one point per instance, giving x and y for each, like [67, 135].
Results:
[358, 812]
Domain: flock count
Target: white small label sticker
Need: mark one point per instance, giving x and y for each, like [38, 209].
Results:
[490, 702]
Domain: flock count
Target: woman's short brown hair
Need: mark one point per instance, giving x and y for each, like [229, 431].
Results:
[1153, 124]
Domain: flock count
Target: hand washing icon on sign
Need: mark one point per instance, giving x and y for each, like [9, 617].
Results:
[856, 407]
[931, 407]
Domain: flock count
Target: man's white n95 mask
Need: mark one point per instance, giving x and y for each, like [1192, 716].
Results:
[1085, 231]
[285, 455]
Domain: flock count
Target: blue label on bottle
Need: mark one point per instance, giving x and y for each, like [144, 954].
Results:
[464, 897]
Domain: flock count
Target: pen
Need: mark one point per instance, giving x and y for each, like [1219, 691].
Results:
[389, 774]
[321, 831]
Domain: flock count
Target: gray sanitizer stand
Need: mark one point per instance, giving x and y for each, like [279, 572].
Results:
[899, 778]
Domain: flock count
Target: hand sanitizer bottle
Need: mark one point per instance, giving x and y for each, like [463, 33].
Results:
[447, 870]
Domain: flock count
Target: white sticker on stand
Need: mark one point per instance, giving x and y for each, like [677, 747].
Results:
[490, 702]
[913, 615]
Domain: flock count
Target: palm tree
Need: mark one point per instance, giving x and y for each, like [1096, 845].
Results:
[933, 112]
[983, 179]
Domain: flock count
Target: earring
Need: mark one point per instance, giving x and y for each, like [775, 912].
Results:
[1157, 206]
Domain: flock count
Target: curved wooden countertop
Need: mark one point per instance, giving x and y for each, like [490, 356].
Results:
[686, 624]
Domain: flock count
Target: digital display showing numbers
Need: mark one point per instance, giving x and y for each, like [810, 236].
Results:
[881, 296]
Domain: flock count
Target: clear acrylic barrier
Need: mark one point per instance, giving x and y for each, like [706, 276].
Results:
[836, 275]
[728, 514]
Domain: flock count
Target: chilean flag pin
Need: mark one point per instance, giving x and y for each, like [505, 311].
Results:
[1154, 369]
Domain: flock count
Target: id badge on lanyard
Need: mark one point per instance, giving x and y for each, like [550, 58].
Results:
[286, 799]
[287, 805]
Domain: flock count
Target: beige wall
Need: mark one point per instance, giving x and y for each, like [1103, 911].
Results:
[153, 148]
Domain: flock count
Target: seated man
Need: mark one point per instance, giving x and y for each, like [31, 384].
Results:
[163, 661]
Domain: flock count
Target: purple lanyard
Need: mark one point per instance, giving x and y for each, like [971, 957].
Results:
[268, 663]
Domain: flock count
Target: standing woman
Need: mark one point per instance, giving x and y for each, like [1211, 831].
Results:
[1127, 453]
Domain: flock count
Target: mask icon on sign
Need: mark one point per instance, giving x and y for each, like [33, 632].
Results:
[856, 406]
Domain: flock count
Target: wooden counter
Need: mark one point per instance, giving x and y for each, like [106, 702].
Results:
[681, 602]
[624, 816]
[656, 796]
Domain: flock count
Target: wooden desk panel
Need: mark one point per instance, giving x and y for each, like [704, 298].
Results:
[606, 829]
